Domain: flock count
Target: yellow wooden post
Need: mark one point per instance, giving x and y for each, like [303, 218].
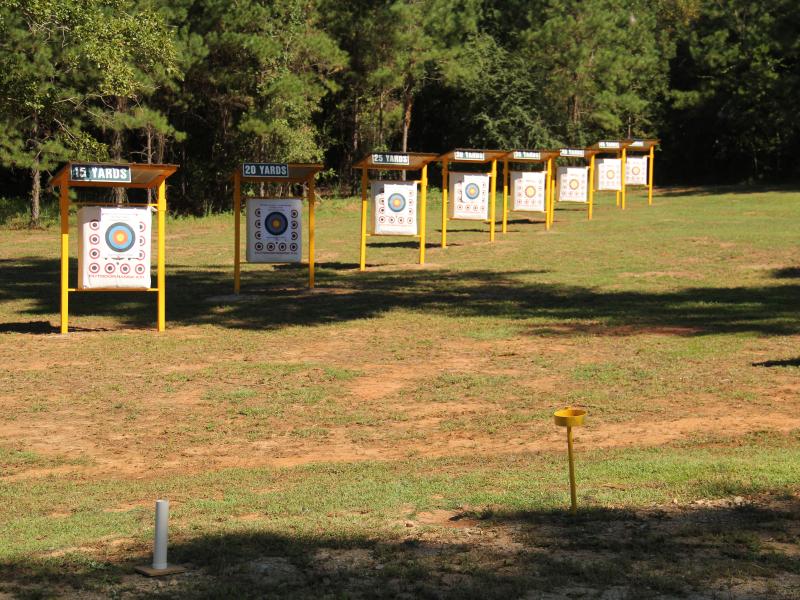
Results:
[162, 249]
[547, 194]
[553, 178]
[492, 201]
[237, 230]
[505, 196]
[64, 208]
[623, 178]
[363, 257]
[311, 199]
[650, 177]
[572, 492]
[445, 189]
[591, 186]
[423, 213]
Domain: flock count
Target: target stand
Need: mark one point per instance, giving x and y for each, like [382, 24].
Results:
[114, 239]
[532, 191]
[639, 168]
[274, 225]
[395, 212]
[468, 188]
[609, 172]
[574, 183]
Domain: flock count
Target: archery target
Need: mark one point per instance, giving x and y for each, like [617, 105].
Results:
[608, 174]
[395, 208]
[274, 228]
[114, 247]
[470, 196]
[573, 184]
[636, 170]
[528, 190]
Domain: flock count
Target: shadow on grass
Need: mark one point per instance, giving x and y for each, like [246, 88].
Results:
[790, 362]
[629, 554]
[787, 273]
[718, 190]
[197, 296]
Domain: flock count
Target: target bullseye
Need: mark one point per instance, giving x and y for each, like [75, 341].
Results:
[472, 191]
[397, 202]
[276, 223]
[120, 237]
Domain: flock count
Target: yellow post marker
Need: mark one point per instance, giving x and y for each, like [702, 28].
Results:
[591, 187]
[311, 198]
[569, 418]
[504, 224]
[237, 231]
[492, 199]
[445, 188]
[650, 177]
[423, 213]
[623, 178]
[161, 260]
[552, 213]
[64, 209]
[363, 258]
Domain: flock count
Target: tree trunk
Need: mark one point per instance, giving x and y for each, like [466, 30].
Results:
[408, 103]
[36, 193]
[116, 149]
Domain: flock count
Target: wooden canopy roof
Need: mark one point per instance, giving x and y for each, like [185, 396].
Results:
[127, 175]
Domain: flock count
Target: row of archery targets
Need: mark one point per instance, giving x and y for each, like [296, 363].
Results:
[115, 241]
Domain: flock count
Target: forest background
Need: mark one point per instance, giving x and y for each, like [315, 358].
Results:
[208, 84]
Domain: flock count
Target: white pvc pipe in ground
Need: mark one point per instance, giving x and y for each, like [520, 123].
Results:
[160, 542]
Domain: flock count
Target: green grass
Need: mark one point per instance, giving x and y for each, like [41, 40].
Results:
[305, 438]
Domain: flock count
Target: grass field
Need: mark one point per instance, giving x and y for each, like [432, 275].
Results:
[389, 434]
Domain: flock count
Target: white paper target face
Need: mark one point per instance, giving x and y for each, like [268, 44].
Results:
[274, 228]
[114, 247]
[636, 170]
[395, 208]
[608, 174]
[527, 189]
[470, 196]
[573, 184]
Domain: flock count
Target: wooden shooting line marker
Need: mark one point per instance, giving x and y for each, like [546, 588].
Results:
[274, 237]
[468, 156]
[114, 252]
[569, 418]
[395, 211]
[542, 157]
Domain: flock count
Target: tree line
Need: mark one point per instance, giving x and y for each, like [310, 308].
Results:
[208, 84]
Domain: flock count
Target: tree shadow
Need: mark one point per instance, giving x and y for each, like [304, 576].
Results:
[705, 550]
[789, 362]
[786, 273]
[202, 296]
[719, 190]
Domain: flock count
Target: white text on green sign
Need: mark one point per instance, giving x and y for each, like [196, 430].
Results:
[527, 155]
[610, 145]
[390, 159]
[100, 173]
[575, 152]
[637, 144]
[265, 170]
[469, 155]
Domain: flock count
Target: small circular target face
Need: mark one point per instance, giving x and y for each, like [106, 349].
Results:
[295, 214]
[271, 247]
[573, 184]
[294, 224]
[276, 223]
[258, 213]
[94, 239]
[142, 226]
[258, 234]
[259, 246]
[94, 268]
[94, 253]
[530, 191]
[293, 247]
[400, 220]
[397, 202]
[139, 269]
[120, 237]
[381, 219]
[294, 235]
[124, 269]
[109, 268]
[141, 255]
[282, 247]
[610, 174]
[94, 225]
[472, 191]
